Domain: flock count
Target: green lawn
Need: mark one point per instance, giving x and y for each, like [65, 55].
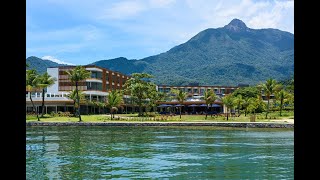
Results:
[188, 118]
[85, 118]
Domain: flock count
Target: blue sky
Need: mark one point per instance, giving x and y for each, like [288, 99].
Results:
[81, 32]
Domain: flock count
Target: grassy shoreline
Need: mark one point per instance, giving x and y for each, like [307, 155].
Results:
[274, 117]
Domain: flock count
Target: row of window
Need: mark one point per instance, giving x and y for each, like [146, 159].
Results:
[96, 75]
[70, 88]
[190, 90]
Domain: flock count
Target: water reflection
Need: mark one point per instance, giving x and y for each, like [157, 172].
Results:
[148, 152]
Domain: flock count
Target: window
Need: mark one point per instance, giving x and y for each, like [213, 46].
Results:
[96, 74]
[114, 79]
[94, 86]
[195, 90]
[107, 76]
[201, 91]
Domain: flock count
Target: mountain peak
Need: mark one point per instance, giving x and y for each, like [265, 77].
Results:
[236, 25]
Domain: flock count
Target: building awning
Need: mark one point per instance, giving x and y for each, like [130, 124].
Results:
[165, 105]
[178, 105]
[216, 105]
[193, 105]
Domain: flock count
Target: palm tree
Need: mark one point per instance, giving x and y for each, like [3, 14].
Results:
[269, 87]
[31, 83]
[73, 95]
[100, 105]
[45, 81]
[113, 101]
[245, 105]
[160, 96]
[238, 100]
[153, 97]
[254, 103]
[138, 88]
[77, 74]
[209, 97]
[283, 96]
[93, 104]
[180, 96]
[228, 102]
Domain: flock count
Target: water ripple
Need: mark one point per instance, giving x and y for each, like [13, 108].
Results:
[165, 153]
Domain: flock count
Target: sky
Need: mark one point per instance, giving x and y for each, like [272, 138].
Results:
[81, 32]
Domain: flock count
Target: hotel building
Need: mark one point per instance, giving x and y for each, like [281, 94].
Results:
[94, 88]
[194, 102]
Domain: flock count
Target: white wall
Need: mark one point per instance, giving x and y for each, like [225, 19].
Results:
[53, 72]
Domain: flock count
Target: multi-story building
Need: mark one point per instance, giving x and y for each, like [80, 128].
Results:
[102, 81]
[95, 88]
[196, 90]
[194, 102]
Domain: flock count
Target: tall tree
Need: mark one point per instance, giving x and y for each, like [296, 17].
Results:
[138, 87]
[290, 86]
[269, 88]
[245, 105]
[73, 95]
[114, 100]
[101, 105]
[76, 75]
[31, 85]
[209, 98]
[180, 96]
[45, 80]
[228, 102]
[238, 100]
[283, 97]
[154, 97]
[254, 103]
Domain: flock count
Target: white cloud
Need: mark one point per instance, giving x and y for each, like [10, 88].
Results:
[161, 3]
[274, 17]
[122, 10]
[256, 14]
[51, 58]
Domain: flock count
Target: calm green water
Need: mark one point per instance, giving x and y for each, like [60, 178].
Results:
[158, 152]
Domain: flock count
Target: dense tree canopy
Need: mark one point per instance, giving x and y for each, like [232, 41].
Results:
[138, 87]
